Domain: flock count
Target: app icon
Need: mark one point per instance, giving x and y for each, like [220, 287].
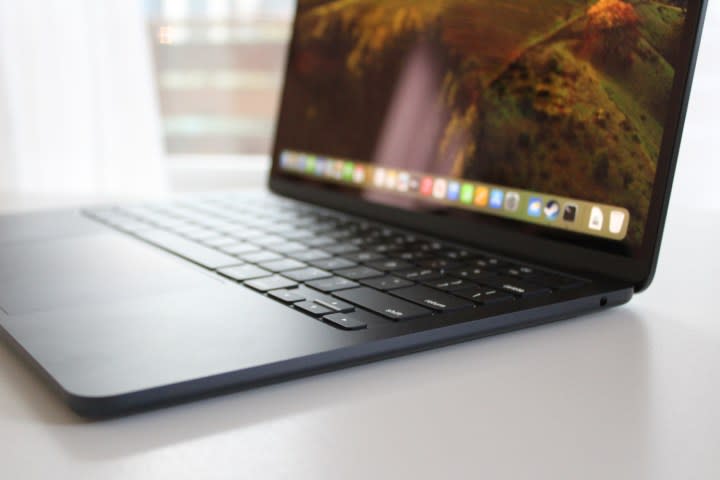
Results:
[284, 160]
[327, 169]
[496, 198]
[481, 196]
[291, 161]
[617, 221]
[597, 218]
[403, 182]
[453, 192]
[320, 166]
[337, 170]
[414, 184]
[379, 177]
[347, 172]
[466, 193]
[535, 207]
[440, 188]
[310, 164]
[570, 212]
[359, 174]
[426, 186]
[552, 210]
[391, 179]
[512, 201]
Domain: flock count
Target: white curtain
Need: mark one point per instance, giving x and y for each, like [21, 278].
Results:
[78, 104]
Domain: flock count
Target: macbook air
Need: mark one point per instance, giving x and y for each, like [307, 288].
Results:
[442, 171]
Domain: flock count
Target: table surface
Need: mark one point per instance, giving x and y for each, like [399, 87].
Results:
[627, 393]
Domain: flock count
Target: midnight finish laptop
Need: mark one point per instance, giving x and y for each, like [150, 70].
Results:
[442, 171]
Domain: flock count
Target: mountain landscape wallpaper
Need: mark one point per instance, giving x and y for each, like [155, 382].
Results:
[568, 97]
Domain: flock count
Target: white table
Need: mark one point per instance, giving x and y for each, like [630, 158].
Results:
[631, 393]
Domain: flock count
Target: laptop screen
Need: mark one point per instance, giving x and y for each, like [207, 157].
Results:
[543, 116]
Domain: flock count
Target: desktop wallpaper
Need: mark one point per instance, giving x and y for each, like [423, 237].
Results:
[560, 96]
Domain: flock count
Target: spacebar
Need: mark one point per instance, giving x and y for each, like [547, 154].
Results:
[204, 256]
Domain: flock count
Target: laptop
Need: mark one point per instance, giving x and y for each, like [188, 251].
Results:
[441, 172]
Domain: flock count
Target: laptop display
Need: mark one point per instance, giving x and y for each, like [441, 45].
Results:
[546, 116]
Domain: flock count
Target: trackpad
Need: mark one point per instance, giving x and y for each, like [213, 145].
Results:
[86, 270]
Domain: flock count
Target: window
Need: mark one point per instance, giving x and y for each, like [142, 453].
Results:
[218, 66]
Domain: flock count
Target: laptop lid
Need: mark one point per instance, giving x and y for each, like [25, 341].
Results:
[542, 129]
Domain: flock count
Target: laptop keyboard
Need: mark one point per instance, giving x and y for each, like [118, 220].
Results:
[347, 271]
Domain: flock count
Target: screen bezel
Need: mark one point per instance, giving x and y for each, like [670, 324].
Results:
[638, 269]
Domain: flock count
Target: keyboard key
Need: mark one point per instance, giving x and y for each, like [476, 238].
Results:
[387, 248]
[409, 256]
[314, 309]
[334, 263]
[260, 256]
[390, 265]
[359, 273]
[287, 247]
[419, 274]
[488, 263]
[286, 296]
[363, 257]
[279, 228]
[347, 321]
[244, 272]
[340, 234]
[325, 228]
[221, 241]
[318, 241]
[244, 233]
[297, 234]
[332, 284]
[450, 284]
[270, 283]
[519, 271]
[341, 248]
[388, 282]
[199, 254]
[382, 303]
[438, 263]
[325, 300]
[428, 246]
[457, 254]
[471, 273]
[334, 304]
[240, 248]
[282, 265]
[309, 255]
[484, 295]
[306, 274]
[431, 298]
[269, 240]
[516, 286]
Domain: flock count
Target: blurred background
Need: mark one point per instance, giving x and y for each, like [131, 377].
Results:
[119, 99]
[218, 67]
